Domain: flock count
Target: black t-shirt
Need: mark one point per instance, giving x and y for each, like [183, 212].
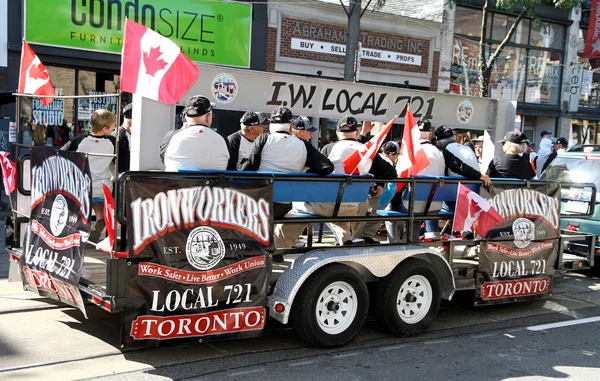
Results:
[511, 167]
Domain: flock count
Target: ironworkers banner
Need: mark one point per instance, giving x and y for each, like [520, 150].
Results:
[518, 259]
[200, 260]
[60, 212]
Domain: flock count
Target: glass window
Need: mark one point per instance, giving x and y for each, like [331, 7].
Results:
[464, 71]
[508, 75]
[501, 24]
[92, 83]
[467, 21]
[543, 77]
[546, 35]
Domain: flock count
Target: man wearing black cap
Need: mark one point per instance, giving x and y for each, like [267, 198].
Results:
[302, 128]
[195, 146]
[281, 152]
[512, 164]
[560, 145]
[125, 139]
[391, 151]
[252, 125]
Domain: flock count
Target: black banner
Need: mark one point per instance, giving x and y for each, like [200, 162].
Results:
[200, 260]
[60, 212]
[517, 261]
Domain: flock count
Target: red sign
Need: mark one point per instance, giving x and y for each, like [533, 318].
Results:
[200, 277]
[212, 323]
[514, 288]
[592, 42]
[518, 253]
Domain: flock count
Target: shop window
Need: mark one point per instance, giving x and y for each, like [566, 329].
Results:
[467, 21]
[92, 83]
[464, 74]
[50, 125]
[544, 72]
[501, 24]
[546, 35]
[584, 132]
[508, 75]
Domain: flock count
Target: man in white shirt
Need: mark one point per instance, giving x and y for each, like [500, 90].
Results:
[195, 146]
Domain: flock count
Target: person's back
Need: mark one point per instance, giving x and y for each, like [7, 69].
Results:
[284, 153]
[512, 164]
[195, 146]
[281, 152]
[100, 141]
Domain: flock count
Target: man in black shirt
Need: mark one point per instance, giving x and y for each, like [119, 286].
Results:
[512, 164]
[252, 125]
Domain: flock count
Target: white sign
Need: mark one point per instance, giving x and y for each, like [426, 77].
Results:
[12, 132]
[368, 54]
[574, 86]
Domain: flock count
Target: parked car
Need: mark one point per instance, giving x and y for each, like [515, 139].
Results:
[578, 164]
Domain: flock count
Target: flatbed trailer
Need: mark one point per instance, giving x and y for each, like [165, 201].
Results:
[306, 285]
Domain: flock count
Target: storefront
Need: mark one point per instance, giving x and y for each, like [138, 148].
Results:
[529, 69]
[80, 43]
[585, 118]
[310, 39]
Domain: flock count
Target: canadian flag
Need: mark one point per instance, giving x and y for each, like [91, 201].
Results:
[409, 162]
[33, 77]
[154, 66]
[9, 173]
[109, 214]
[360, 162]
[474, 212]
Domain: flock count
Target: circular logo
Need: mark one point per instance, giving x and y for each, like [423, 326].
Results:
[204, 248]
[225, 88]
[464, 112]
[58, 215]
[524, 232]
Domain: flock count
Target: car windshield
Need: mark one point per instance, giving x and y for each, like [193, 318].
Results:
[573, 169]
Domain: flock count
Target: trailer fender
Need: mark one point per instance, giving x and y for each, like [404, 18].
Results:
[379, 261]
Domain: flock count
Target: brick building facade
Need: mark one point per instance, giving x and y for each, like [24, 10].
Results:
[310, 39]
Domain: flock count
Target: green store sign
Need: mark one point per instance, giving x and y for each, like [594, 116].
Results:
[216, 32]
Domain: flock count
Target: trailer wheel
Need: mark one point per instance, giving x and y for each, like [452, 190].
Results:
[409, 298]
[331, 307]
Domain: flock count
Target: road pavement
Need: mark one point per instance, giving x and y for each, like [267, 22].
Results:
[58, 343]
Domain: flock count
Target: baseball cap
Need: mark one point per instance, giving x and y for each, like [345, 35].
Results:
[443, 132]
[281, 115]
[253, 118]
[347, 124]
[302, 123]
[514, 137]
[545, 132]
[477, 139]
[127, 110]
[391, 148]
[198, 105]
[424, 125]
[562, 141]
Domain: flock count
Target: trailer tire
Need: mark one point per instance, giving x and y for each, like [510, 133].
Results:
[409, 298]
[331, 307]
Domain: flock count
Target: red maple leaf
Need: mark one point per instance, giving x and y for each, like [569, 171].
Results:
[153, 62]
[38, 71]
